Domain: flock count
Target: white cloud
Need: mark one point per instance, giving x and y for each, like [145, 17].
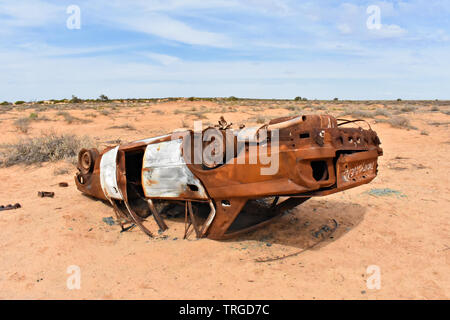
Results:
[28, 13]
[344, 28]
[171, 29]
[389, 31]
[161, 58]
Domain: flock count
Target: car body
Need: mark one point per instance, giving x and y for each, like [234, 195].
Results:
[316, 155]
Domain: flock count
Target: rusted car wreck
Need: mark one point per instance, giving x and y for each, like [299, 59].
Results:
[220, 180]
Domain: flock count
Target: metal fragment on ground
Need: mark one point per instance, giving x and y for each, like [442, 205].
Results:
[10, 207]
[46, 194]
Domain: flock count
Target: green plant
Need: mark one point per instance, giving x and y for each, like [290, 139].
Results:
[33, 116]
[75, 99]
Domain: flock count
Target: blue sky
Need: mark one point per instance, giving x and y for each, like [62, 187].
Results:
[206, 48]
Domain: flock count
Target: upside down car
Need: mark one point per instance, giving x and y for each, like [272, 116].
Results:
[227, 181]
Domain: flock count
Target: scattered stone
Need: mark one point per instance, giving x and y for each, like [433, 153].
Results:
[385, 192]
[109, 221]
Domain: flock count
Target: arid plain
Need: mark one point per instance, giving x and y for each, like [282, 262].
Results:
[399, 222]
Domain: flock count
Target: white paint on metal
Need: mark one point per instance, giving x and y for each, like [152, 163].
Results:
[150, 140]
[165, 173]
[108, 174]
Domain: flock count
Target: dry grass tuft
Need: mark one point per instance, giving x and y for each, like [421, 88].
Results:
[22, 124]
[71, 119]
[125, 126]
[49, 147]
[398, 122]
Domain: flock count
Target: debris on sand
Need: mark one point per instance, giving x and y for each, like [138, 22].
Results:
[109, 221]
[10, 207]
[385, 192]
[47, 194]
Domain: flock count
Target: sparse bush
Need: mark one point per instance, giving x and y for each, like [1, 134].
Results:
[399, 99]
[105, 112]
[70, 119]
[382, 112]
[19, 102]
[191, 99]
[75, 99]
[260, 119]
[232, 98]
[61, 171]
[22, 124]
[408, 109]
[33, 116]
[298, 98]
[292, 108]
[125, 126]
[5, 103]
[398, 122]
[357, 113]
[49, 147]
[336, 99]
[102, 97]
[434, 108]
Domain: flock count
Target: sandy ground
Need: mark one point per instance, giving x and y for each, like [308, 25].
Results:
[407, 234]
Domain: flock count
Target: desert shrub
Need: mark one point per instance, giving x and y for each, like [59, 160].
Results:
[357, 113]
[49, 147]
[102, 97]
[398, 122]
[292, 108]
[22, 124]
[70, 119]
[232, 98]
[105, 112]
[434, 108]
[260, 119]
[19, 102]
[5, 103]
[33, 116]
[61, 171]
[125, 126]
[298, 98]
[408, 109]
[75, 99]
[382, 112]
[335, 99]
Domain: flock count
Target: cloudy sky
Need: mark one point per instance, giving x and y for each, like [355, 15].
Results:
[246, 48]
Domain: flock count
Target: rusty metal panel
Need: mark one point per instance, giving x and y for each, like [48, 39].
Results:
[165, 173]
[357, 167]
[108, 174]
